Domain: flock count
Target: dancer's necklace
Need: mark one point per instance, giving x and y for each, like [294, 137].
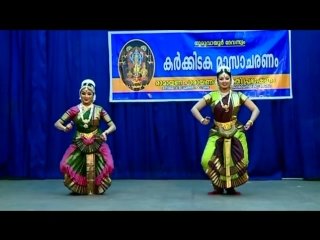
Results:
[82, 112]
[225, 107]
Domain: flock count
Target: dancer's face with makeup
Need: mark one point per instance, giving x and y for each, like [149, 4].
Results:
[86, 96]
[224, 81]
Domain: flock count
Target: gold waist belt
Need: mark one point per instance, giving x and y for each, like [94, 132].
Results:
[88, 135]
[226, 125]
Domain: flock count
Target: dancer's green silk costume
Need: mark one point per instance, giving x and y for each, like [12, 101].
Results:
[225, 157]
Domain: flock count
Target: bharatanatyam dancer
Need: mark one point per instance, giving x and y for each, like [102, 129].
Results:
[225, 157]
[87, 163]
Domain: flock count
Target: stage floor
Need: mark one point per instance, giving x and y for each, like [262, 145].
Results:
[160, 195]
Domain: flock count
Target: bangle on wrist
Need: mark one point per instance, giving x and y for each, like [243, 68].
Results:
[201, 121]
[251, 122]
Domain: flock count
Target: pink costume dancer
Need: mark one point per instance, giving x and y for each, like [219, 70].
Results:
[87, 163]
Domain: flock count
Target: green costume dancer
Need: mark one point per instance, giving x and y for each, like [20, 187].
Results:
[87, 163]
[225, 157]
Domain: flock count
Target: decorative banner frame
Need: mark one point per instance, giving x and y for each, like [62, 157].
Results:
[164, 66]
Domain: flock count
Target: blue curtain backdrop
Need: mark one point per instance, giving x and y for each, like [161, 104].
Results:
[41, 72]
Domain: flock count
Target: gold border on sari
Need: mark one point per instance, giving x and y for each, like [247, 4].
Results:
[90, 160]
[227, 160]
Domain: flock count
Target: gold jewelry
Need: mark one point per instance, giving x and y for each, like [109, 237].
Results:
[87, 135]
[225, 106]
[226, 125]
[202, 120]
[250, 121]
[82, 109]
